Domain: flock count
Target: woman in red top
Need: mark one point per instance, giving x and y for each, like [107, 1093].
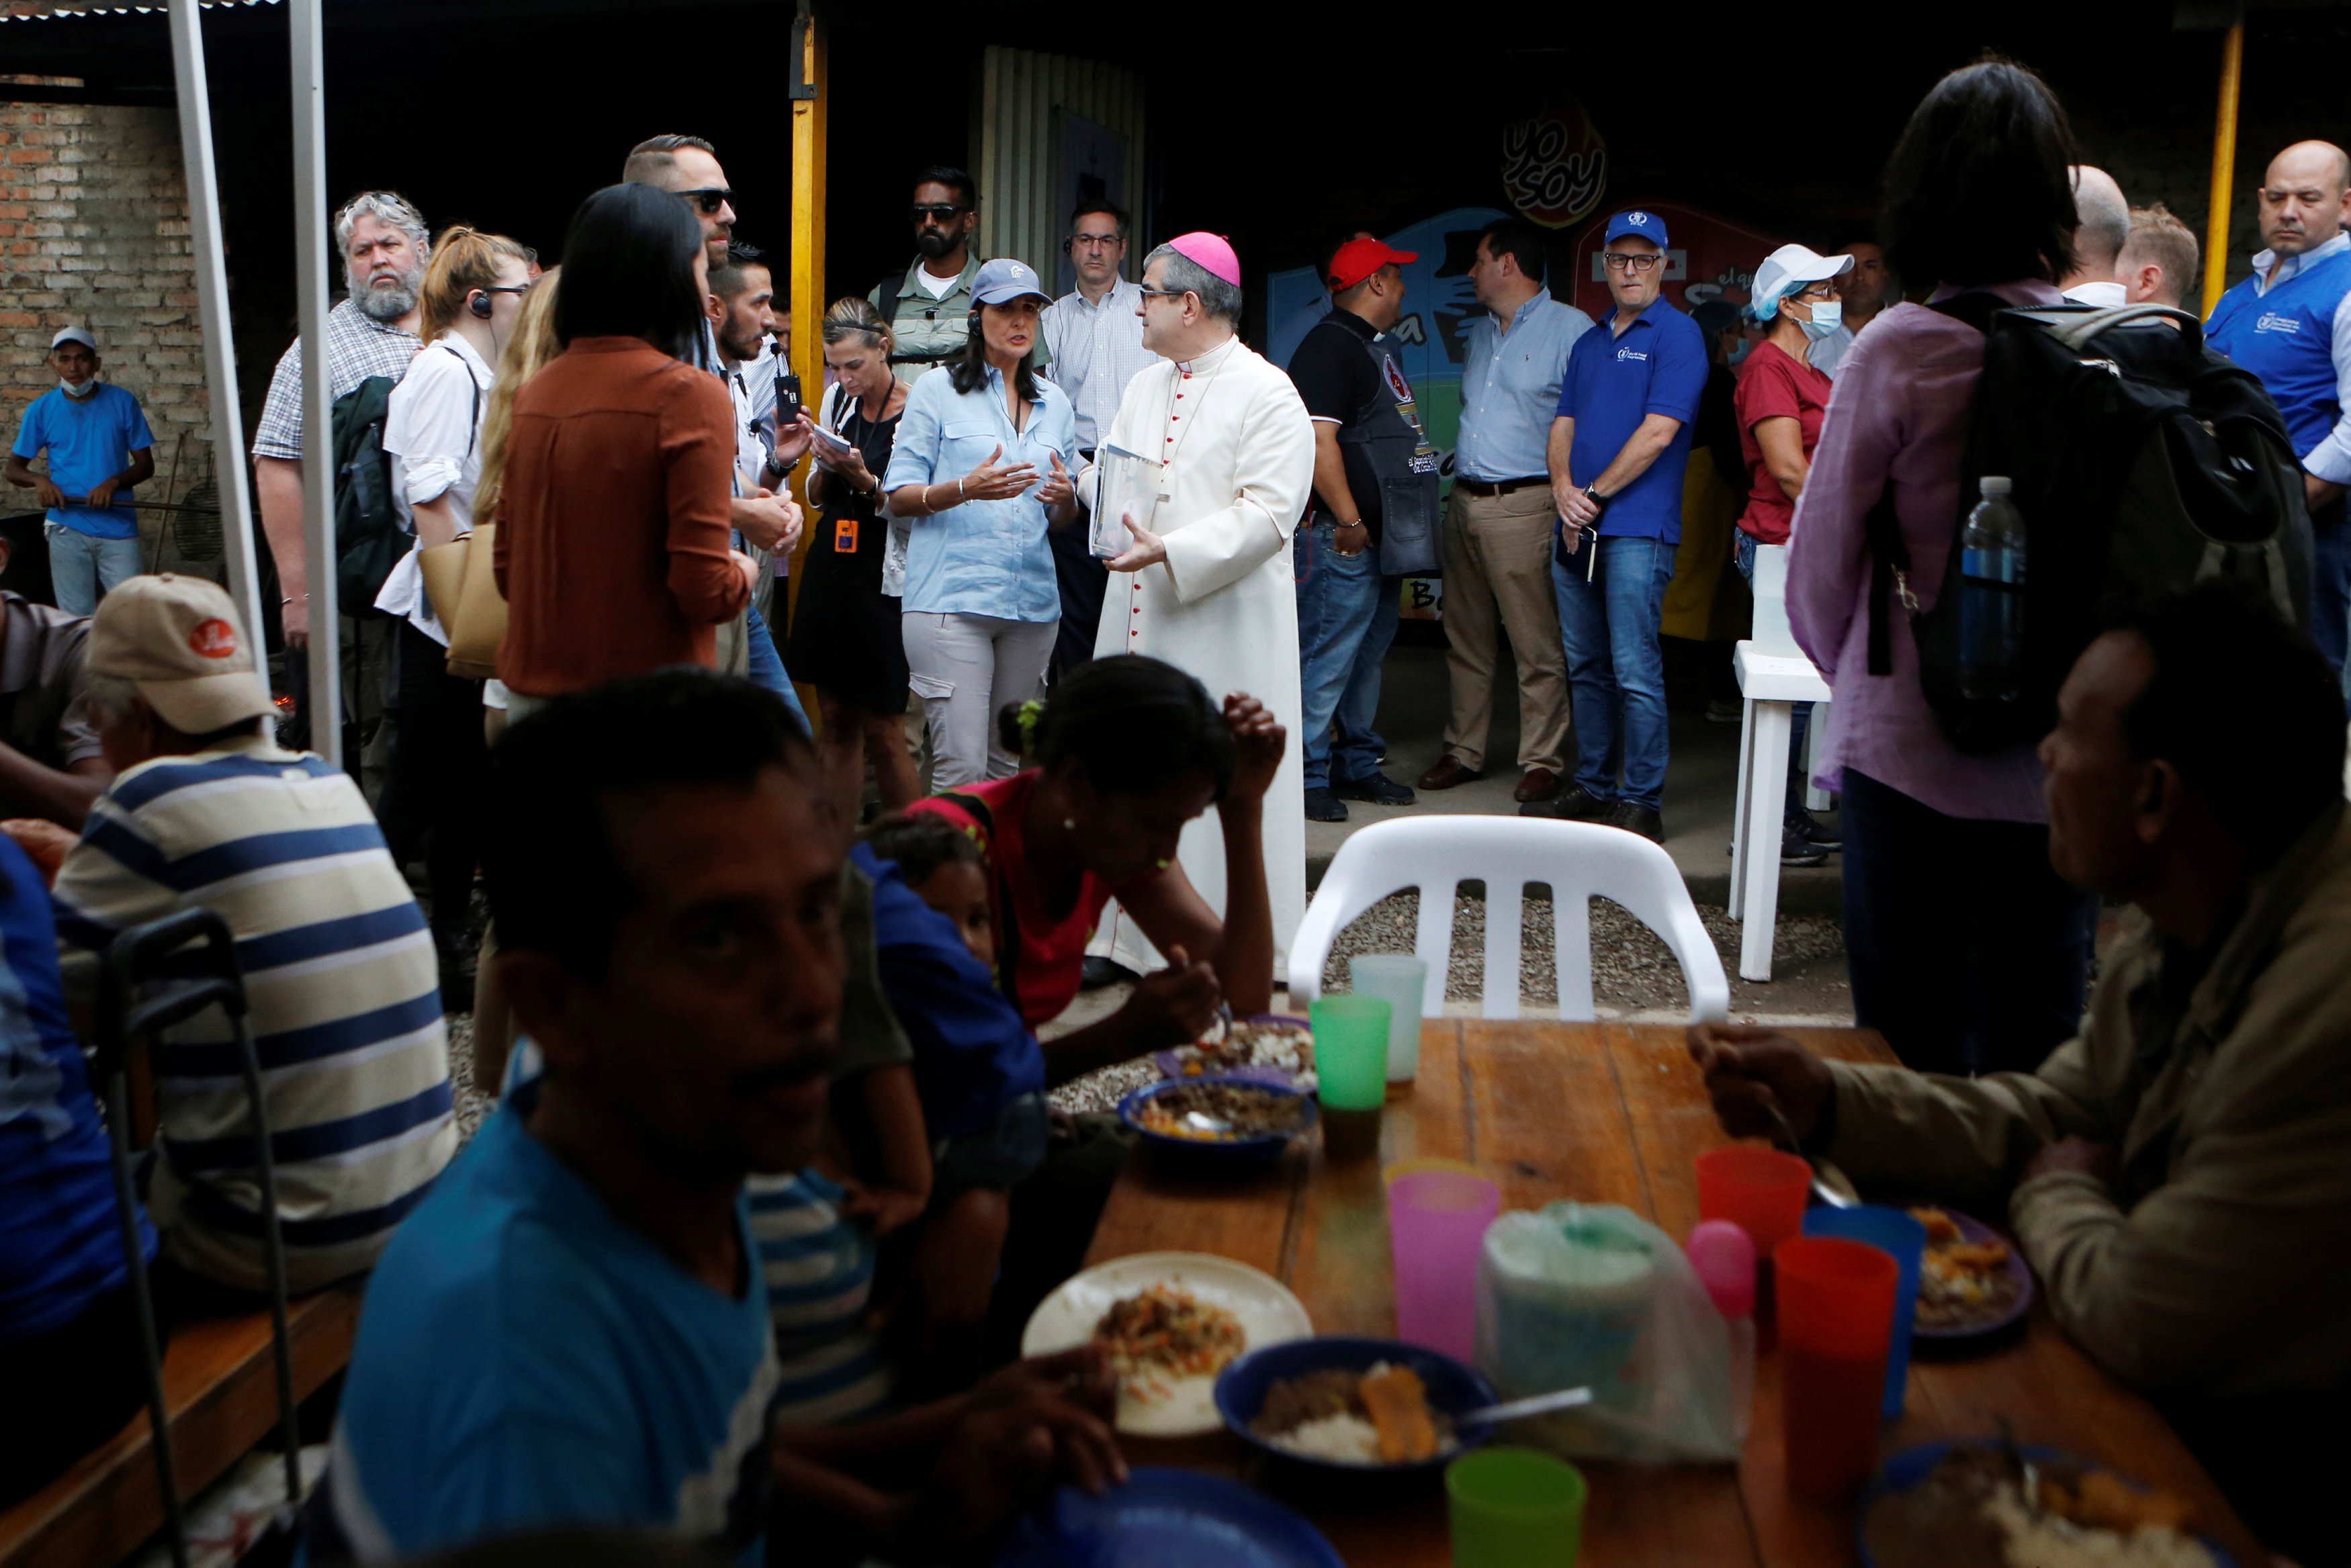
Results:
[1126, 752]
[1780, 402]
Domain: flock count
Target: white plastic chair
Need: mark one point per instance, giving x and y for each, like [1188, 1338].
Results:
[1579, 860]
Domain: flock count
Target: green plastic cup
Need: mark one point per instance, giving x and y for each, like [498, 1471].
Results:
[1350, 1051]
[1514, 1508]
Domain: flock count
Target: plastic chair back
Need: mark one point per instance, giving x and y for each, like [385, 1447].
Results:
[1579, 860]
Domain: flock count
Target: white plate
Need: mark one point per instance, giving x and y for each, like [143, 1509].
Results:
[1266, 1312]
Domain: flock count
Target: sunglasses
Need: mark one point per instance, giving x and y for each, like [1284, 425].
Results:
[1625, 261]
[709, 198]
[939, 211]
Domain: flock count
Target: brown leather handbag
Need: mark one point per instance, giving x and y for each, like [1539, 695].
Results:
[479, 623]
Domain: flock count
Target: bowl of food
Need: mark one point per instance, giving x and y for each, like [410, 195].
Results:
[1268, 1047]
[1355, 1406]
[1992, 1503]
[1170, 1323]
[1971, 1282]
[1219, 1124]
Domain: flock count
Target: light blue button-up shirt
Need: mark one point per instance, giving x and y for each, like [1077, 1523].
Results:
[983, 558]
[1509, 389]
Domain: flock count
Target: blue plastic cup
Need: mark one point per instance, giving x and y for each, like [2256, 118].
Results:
[1895, 1233]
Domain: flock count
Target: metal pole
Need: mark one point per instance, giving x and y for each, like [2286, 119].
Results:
[212, 300]
[2224, 164]
[318, 444]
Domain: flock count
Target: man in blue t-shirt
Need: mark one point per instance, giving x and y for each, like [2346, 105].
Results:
[2286, 325]
[1618, 448]
[98, 447]
[573, 1328]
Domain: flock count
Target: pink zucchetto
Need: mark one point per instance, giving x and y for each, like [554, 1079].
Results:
[1213, 251]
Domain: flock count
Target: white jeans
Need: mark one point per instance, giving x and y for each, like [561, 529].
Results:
[966, 668]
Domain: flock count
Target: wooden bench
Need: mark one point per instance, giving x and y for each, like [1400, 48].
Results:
[222, 1393]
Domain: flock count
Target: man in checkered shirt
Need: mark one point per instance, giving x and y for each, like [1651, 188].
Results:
[384, 245]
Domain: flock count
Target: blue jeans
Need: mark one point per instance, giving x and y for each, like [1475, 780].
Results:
[1801, 713]
[83, 567]
[2330, 583]
[1346, 619]
[767, 667]
[1616, 667]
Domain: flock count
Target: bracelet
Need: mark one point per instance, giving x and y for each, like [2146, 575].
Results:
[960, 496]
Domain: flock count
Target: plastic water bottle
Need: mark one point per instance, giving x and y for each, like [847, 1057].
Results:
[1992, 597]
[1725, 1261]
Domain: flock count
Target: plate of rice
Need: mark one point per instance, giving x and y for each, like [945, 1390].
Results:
[1172, 1321]
[1340, 1402]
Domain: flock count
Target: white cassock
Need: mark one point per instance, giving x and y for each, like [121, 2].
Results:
[1240, 455]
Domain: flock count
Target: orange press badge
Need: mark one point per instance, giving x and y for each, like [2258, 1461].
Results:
[844, 537]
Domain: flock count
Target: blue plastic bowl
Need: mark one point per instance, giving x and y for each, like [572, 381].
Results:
[1242, 1386]
[1911, 1467]
[1219, 1156]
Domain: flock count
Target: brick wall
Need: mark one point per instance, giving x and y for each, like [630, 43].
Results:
[94, 233]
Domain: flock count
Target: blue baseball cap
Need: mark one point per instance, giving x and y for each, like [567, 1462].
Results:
[1642, 225]
[1004, 280]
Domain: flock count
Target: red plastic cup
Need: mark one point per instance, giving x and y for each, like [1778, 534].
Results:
[1836, 1319]
[1761, 1190]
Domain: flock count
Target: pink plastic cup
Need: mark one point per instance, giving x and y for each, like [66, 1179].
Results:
[1437, 1221]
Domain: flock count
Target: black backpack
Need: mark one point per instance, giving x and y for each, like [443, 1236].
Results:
[368, 541]
[2142, 462]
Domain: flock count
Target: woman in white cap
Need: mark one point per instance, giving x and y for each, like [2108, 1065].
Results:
[1780, 402]
[982, 463]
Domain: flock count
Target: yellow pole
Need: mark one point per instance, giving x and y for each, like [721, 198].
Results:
[2224, 166]
[808, 301]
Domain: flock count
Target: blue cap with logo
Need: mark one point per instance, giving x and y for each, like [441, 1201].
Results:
[1638, 224]
[1004, 280]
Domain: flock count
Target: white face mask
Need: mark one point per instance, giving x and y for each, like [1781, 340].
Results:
[1827, 316]
[79, 389]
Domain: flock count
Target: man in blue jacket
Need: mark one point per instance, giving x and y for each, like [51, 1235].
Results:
[1618, 449]
[2285, 325]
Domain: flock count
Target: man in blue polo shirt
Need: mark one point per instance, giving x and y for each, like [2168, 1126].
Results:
[98, 447]
[2286, 326]
[1618, 448]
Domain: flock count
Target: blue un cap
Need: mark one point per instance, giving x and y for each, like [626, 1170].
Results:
[1646, 224]
[1004, 280]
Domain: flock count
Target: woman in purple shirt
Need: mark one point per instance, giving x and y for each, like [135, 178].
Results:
[1965, 948]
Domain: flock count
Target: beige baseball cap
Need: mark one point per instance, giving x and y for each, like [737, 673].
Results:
[177, 640]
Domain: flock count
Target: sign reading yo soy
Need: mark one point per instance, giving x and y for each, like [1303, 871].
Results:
[1554, 165]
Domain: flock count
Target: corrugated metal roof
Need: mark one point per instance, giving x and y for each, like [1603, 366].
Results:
[130, 11]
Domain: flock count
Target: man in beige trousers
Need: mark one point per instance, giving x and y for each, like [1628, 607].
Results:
[1498, 528]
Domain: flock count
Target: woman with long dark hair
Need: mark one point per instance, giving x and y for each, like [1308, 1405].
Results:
[1966, 949]
[614, 547]
[982, 462]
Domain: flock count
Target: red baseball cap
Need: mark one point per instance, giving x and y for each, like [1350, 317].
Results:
[1358, 259]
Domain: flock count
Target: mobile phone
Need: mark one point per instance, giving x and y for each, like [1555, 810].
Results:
[787, 399]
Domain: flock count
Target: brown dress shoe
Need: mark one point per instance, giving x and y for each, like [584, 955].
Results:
[1448, 773]
[1541, 784]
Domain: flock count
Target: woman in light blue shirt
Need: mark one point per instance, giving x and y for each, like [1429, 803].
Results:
[982, 462]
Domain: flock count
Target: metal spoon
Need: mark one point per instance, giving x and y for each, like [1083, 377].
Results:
[1533, 1404]
[1216, 1126]
[1833, 1194]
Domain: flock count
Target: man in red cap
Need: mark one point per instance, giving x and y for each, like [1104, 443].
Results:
[1375, 483]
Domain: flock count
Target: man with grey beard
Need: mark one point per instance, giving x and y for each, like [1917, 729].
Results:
[384, 246]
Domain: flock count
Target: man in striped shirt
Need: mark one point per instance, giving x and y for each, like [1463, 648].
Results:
[340, 975]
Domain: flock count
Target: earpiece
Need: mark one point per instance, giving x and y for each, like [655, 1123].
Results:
[478, 303]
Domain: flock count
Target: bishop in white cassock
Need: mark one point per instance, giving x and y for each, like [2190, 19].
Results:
[1208, 585]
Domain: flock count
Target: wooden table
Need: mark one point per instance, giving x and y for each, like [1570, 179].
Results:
[1599, 1114]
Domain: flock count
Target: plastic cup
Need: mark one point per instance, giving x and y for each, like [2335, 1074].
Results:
[1400, 977]
[1836, 1313]
[1761, 1190]
[1436, 1221]
[1350, 1051]
[1514, 1508]
[1904, 1240]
